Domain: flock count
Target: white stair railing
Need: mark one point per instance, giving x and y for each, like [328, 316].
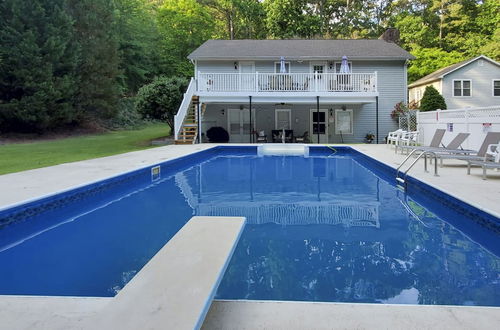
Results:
[184, 107]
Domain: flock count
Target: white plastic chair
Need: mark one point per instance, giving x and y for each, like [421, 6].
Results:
[493, 151]
[393, 137]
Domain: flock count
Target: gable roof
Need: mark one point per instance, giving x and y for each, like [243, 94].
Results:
[439, 74]
[299, 49]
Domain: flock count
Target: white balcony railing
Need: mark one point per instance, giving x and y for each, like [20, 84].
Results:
[287, 82]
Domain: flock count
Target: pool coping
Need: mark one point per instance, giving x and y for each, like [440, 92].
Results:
[144, 299]
[100, 301]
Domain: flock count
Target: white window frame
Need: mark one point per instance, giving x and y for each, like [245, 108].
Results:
[461, 88]
[351, 113]
[322, 63]
[493, 87]
[340, 64]
[276, 70]
[276, 117]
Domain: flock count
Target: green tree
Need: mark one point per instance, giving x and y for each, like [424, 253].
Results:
[289, 19]
[429, 60]
[432, 100]
[37, 65]
[138, 41]
[98, 67]
[184, 25]
[161, 99]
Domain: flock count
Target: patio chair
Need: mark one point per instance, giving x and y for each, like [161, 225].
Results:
[304, 138]
[435, 142]
[393, 137]
[261, 137]
[492, 138]
[492, 151]
[407, 139]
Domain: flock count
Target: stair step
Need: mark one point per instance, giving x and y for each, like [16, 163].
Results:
[183, 142]
[400, 180]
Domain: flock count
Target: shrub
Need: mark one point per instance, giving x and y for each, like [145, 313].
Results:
[127, 116]
[399, 109]
[161, 99]
[432, 100]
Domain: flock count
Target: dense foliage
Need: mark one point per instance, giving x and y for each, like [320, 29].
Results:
[70, 61]
[160, 99]
[432, 100]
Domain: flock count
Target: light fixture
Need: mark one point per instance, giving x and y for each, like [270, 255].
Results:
[241, 107]
[222, 112]
[343, 107]
[236, 65]
[331, 112]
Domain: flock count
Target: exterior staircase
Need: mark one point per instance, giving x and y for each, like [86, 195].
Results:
[189, 128]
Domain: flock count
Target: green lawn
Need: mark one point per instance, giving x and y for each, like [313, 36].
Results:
[25, 156]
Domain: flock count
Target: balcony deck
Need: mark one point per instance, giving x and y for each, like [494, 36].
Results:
[287, 82]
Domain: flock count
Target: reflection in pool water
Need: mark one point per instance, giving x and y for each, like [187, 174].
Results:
[329, 229]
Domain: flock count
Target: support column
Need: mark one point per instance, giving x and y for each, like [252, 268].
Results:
[198, 114]
[376, 118]
[251, 122]
[317, 118]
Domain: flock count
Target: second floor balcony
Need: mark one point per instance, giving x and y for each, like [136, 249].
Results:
[287, 82]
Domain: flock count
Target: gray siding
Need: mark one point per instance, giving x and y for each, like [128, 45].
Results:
[482, 87]
[391, 87]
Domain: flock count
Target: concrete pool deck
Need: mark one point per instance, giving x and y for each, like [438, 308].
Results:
[32, 312]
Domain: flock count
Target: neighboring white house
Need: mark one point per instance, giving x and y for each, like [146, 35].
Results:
[296, 85]
[471, 83]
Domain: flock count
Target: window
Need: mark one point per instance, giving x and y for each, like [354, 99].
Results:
[418, 95]
[461, 88]
[343, 121]
[277, 67]
[496, 87]
[338, 64]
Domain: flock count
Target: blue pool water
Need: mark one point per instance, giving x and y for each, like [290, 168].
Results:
[331, 227]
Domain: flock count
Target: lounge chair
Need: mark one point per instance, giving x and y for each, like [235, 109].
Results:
[302, 139]
[492, 138]
[435, 142]
[494, 152]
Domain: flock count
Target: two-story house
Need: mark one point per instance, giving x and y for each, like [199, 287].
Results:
[471, 83]
[335, 90]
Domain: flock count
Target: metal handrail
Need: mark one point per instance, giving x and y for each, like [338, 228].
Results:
[424, 154]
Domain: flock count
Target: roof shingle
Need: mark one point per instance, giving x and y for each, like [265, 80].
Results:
[299, 49]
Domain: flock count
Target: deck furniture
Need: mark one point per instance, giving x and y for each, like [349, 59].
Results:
[393, 137]
[493, 152]
[304, 138]
[278, 135]
[435, 142]
[491, 138]
[260, 137]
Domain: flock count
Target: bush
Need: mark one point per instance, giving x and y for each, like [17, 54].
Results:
[127, 116]
[432, 100]
[217, 135]
[161, 99]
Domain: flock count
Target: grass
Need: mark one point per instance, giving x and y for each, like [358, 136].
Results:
[26, 156]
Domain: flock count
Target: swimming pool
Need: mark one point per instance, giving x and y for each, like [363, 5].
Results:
[329, 227]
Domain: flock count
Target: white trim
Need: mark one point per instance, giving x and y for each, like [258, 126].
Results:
[335, 65]
[351, 112]
[286, 62]
[461, 88]
[493, 87]
[323, 63]
[276, 117]
[469, 62]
